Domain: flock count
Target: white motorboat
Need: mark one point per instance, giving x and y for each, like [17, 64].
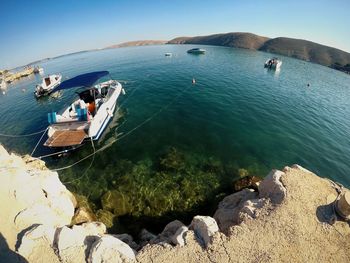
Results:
[196, 51]
[48, 84]
[88, 116]
[273, 63]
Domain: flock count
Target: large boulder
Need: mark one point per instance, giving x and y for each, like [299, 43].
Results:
[110, 249]
[74, 243]
[204, 228]
[271, 187]
[229, 209]
[37, 244]
[126, 238]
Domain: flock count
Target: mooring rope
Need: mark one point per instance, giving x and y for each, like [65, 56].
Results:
[125, 134]
[21, 135]
[92, 161]
[39, 141]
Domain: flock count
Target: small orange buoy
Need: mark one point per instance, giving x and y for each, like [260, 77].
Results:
[193, 81]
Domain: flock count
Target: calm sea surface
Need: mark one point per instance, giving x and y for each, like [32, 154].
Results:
[199, 137]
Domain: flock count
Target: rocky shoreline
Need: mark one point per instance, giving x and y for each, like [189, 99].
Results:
[290, 217]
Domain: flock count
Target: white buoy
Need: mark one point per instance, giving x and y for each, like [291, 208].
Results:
[193, 81]
[123, 91]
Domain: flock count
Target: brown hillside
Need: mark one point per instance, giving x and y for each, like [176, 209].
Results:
[138, 43]
[297, 48]
[238, 40]
[306, 50]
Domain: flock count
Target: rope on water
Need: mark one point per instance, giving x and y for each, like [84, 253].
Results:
[125, 134]
[21, 135]
[36, 146]
[92, 161]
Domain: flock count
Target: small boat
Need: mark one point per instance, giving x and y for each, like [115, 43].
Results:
[168, 54]
[196, 51]
[38, 70]
[273, 63]
[88, 115]
[48, 85]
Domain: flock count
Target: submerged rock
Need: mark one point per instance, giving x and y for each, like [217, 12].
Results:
[83, 215]
[117, 202]
[246, 182]
[105, 217]
[204, 227]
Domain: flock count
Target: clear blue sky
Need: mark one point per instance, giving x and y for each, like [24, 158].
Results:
[32, 30]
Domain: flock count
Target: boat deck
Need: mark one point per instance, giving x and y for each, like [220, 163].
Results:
[65, 138]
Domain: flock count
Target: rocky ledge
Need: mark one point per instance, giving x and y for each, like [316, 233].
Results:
[290, 217]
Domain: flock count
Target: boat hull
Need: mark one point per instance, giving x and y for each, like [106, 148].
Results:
[92, 126]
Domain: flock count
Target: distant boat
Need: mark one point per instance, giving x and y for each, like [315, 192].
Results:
[48, 85]
[196, 51]
[273, 63]
[88, 115]
[38, 70]
[168, 54]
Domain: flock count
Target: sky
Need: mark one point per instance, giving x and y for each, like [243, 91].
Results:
[37, 29]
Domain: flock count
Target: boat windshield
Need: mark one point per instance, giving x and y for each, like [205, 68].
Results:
[90, 95]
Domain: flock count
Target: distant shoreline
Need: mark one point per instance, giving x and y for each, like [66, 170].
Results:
[290, 47]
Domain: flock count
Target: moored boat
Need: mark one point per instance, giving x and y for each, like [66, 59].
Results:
[88, 115]
[168, 54]
[196, 51]
[38, 70]
[47, 85]
[273, 63]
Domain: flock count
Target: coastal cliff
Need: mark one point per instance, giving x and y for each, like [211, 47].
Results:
[297, 48]
[288, 218]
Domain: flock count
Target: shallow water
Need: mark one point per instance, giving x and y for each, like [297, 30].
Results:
[237, 116]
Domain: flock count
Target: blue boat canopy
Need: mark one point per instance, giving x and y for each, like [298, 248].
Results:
[84, 80]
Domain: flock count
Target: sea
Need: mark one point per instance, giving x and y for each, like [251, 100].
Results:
[174, 147]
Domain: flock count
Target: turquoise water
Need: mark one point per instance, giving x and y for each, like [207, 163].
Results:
[237, 116]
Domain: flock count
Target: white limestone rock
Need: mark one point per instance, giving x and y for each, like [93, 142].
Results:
[38, 214]
[204, 228]
[229, 209]
[128, 239]
[179, 237]
[271, 187]
[74, 243]
[169, 230]
[37, 244]
[110, 249]
[251, 207]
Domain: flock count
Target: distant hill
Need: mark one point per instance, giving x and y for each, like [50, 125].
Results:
[297, 48]
[238, 40]
[138, 43]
